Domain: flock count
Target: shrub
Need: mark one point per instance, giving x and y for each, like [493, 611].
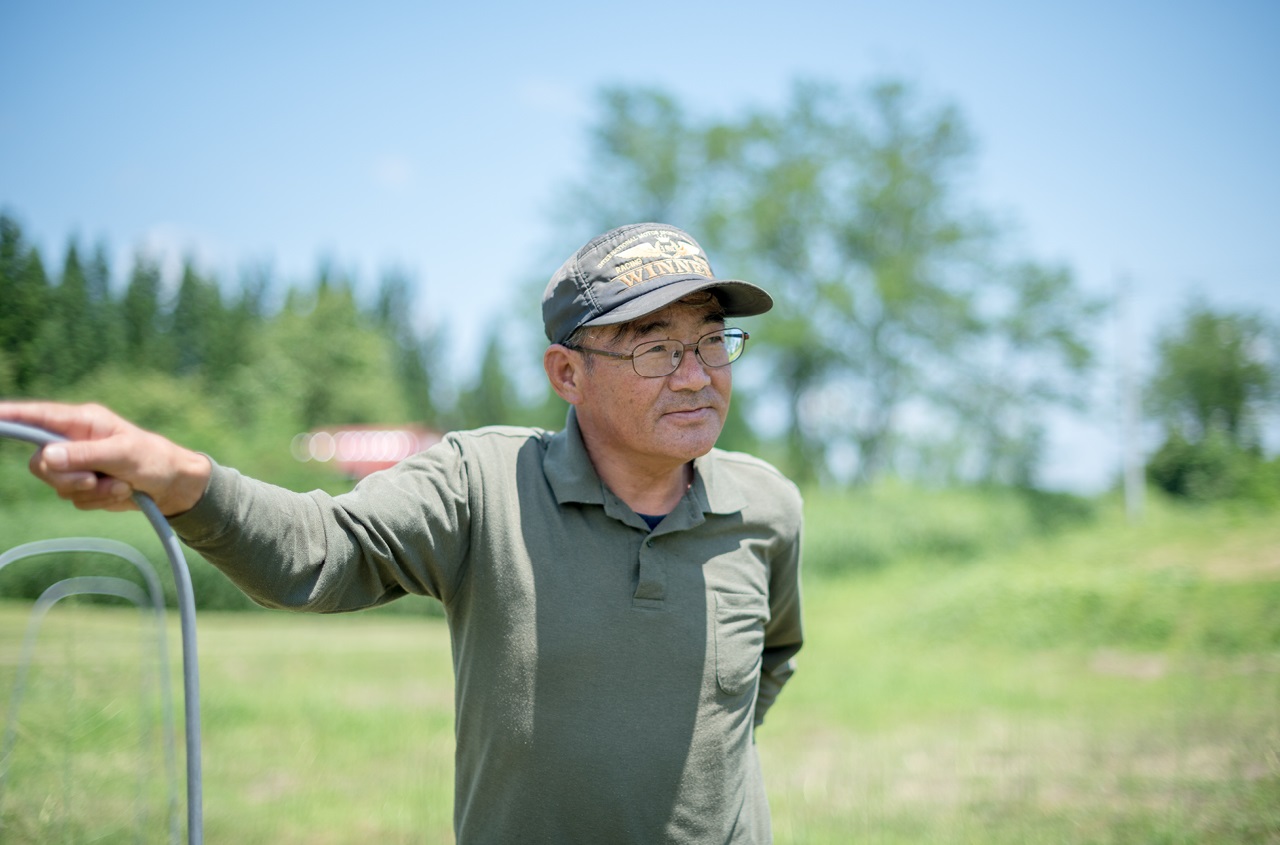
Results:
[1212, 469]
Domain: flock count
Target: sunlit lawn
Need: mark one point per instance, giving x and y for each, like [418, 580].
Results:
[1105, 689]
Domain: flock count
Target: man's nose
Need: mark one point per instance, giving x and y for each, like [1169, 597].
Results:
[691, 373]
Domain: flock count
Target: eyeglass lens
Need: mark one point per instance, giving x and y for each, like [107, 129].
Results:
[662, 357]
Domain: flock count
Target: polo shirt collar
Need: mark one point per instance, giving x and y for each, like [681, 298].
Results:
[568, 466]
[712, 489]
[572, 477]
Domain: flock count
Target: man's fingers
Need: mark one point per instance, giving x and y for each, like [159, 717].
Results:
[81, 456]
[76, 422]
[107, 494]
[71, 475]
[86, 490]
[101, 445]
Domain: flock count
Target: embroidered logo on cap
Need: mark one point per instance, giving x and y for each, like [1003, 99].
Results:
[654, 253]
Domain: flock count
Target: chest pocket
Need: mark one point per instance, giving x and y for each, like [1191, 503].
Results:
[740, 622]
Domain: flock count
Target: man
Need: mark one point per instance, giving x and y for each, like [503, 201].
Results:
[623, 599]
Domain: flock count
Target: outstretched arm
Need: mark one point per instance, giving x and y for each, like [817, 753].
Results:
[108, 458]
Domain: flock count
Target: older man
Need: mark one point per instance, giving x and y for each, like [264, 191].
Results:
[623, 598]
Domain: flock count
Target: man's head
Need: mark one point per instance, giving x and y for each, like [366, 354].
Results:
[645, 287]
[633, 271]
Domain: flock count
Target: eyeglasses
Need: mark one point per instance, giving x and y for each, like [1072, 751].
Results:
[660, 358]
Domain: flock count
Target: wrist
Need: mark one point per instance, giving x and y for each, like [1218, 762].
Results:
[192, 471]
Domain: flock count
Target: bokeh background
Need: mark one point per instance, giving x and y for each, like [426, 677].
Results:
[1024, 365]
[1134, 146]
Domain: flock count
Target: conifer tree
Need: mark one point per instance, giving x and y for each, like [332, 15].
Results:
[104, 308]
[65, 346]
[140, 315]
[24, 290]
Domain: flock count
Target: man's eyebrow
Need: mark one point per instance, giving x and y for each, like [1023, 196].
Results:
[639, 328]
[642, 327]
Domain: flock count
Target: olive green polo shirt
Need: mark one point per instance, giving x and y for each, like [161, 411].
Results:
[608, 676]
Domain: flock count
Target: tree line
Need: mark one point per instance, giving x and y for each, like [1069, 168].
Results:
[910, 336]
[237, 367]
[60, 331]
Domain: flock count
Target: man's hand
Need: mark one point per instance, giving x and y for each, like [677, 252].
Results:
[107, 458]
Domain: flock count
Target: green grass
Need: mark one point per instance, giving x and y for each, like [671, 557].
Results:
[315, 729]
[1116, 684]
[1104, 684]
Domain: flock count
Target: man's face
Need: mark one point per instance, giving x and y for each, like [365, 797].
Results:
[655, 422]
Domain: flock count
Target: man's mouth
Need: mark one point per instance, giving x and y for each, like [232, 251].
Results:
[687, 413]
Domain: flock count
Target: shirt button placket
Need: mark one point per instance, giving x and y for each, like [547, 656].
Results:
[652, 583]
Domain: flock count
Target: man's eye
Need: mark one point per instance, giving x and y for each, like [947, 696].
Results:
[713, 340]
[655, 349]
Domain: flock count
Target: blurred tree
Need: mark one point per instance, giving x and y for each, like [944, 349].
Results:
[105, 319]
[643, 164]
[897, 318]
[330, 363]
[1033, 358]
[491, 398]
[144, 342]
[416, 351]
[1217, 376]
[195, 323]
[1217, 371]
[24, 290]
[66, 348]
[209, 337]
[230, 332]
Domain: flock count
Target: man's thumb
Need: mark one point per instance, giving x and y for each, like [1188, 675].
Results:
[56, 457]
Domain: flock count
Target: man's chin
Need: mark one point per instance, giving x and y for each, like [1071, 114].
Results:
[693, 437]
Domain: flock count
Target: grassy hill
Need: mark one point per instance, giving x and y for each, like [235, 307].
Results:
[1110, 684]
[980, 668]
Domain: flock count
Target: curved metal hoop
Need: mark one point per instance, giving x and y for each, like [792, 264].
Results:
[187, 619]
[100, 585]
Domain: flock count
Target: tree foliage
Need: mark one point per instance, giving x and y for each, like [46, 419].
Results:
[1216, 380]
[901, 329]
[1217, 371]
[25, 293]
[323, 358]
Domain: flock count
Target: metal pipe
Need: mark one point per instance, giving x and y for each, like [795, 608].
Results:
[187, 619]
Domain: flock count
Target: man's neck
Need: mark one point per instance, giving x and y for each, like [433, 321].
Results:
[652, 490]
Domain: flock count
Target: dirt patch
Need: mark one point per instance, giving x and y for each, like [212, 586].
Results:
[1142, 667]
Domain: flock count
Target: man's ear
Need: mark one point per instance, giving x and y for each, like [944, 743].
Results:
[565, 370]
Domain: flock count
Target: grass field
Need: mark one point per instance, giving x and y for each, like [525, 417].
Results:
[1109, 684]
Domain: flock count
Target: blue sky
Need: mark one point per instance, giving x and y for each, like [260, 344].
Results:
[1137, 141]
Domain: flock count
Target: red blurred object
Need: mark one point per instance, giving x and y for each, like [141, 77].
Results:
[358, 450]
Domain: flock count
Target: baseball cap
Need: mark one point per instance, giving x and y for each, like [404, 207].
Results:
[635, 270]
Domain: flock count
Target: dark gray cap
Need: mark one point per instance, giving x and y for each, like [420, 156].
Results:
[635, 270]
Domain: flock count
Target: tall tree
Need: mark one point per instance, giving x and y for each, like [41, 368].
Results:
[144, 340]
[209, 337]
[104, 308]
[416, 350]
[892, 294]
[67, 348]
[25, 292]
[329, 361]
[491, 398]
[195, 322]
[643, 160]
[1217, 371]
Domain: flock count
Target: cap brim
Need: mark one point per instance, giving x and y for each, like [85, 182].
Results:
[738, 298]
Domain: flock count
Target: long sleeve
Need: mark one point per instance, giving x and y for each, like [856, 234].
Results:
[784, 635]
[400, 531]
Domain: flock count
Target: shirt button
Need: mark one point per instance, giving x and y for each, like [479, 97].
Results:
[649, 543]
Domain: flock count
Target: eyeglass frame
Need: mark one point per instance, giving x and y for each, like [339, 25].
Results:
[684, 350]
